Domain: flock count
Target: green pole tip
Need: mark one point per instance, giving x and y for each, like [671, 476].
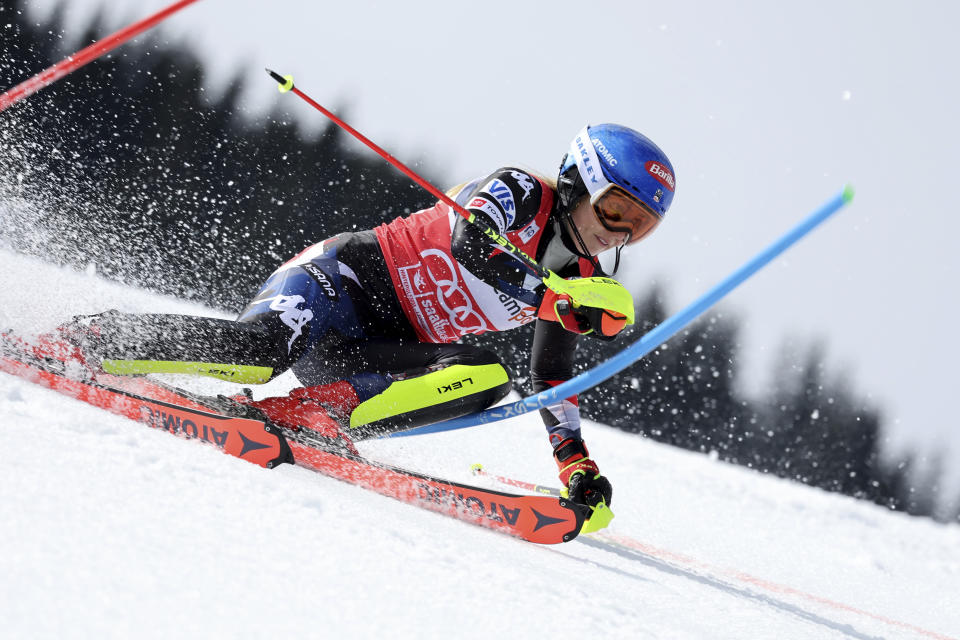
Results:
[847, 192]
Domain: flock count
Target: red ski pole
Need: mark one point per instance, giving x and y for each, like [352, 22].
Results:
[85, 55]
[601, 293]
[478, 470]
[551, 280]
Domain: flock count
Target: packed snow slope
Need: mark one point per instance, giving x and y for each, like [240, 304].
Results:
[109, 529]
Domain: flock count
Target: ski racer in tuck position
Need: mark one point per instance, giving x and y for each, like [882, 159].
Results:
[369, 321]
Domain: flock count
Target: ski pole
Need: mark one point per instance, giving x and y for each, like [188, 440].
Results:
[648, 342]
[478, 470]
[85, 55]
[549, 278]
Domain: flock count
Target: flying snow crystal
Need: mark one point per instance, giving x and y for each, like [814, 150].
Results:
[847, 95]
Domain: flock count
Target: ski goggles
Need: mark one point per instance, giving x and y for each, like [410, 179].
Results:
[620, 211]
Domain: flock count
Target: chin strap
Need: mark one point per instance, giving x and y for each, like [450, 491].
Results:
[579, 247]
[569, 191]
[616, 263]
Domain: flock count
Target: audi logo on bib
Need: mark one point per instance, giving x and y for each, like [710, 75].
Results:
[442, 298]
[441, 306]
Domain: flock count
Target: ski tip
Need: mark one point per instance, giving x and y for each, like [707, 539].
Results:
[847, 193]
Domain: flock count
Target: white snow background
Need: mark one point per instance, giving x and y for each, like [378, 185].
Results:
[109, 529]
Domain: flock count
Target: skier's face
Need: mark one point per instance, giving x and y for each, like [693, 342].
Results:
[597, 237]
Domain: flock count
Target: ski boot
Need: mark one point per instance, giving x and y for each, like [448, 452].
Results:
[316, 414]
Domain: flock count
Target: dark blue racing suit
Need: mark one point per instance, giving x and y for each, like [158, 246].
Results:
[338, 310]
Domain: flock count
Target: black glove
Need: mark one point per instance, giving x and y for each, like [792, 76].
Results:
[580, 474]
[588, 490]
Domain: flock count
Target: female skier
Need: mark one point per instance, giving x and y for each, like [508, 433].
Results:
[369, 321]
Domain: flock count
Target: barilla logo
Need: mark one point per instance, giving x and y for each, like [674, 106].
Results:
[660, 173]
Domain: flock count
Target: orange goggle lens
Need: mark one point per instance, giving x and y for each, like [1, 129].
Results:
[619, 211]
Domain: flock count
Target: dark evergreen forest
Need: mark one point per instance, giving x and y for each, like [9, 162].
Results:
[129, 164]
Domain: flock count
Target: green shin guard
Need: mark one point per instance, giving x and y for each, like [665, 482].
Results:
[447, 393]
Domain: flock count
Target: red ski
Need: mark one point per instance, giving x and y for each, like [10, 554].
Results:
[251, 436]
[539, 519]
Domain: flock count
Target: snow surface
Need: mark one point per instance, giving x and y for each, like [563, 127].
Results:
[109, 529]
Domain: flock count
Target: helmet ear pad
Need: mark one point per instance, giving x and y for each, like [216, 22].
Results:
[570, 185]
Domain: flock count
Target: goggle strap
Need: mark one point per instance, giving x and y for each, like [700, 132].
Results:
[588, 162]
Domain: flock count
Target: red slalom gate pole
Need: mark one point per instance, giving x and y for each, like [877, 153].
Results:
[87, 54]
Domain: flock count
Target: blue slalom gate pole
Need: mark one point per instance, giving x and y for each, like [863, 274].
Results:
[657, 336]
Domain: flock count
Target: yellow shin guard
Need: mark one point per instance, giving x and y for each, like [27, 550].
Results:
[446, 393]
